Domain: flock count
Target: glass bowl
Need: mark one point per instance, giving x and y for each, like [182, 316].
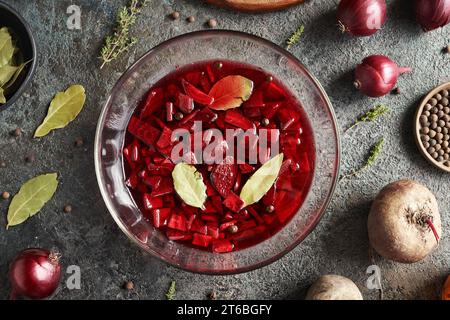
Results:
[191, 48]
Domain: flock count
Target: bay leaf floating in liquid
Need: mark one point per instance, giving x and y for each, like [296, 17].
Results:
[189, 185]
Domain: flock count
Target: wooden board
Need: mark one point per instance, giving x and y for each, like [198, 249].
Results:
[255, 5]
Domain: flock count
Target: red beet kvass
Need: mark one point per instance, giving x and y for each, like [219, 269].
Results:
[182, 99]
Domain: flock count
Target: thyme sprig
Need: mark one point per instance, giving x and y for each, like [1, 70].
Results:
[172, 290]
[371, 115]
[373, 156]
[295, 37]
[121, 41]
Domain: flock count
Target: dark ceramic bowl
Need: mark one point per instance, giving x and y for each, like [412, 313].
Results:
[24, 39]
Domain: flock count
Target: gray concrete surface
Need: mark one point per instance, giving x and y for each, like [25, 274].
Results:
[88, 236]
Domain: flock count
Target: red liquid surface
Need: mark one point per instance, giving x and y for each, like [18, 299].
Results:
[222, 226]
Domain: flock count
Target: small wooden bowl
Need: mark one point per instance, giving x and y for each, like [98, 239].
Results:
[418, 126]
[255, 5]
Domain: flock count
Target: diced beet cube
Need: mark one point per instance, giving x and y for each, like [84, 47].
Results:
[157, 122]
[135, 154]
[185, 103]
[228, 216]
[237, 184]
[201, 240]
[256, 99]
[189, 222]
[272, 92]
[143, 131]
[165, 138]
[151, 202]
[246, 168]
[238, 120]
[304, 163]
[220, 122]
[153, 102]
[283, 207]
[176, 235]
[205, 84]
[169, 111]
[270, 109]
[199, 227]
[209, 207]
[213, 232]
[285, 167]
[172, 92]
[249, 224]
[252, 112]
[188, 210]
[132, 181]
[222, 246]
[209, 217]
[169, 201]
[206, 115]
[189, 117]
[165, 187]
[152, 181]
[159, 170]
[160, 217]
[158, 159]
[127, 156]
[258, 232]
[287, 118]
[177, 221]
[216, 201]
[268, 218]
[210, 73]
[255, 215]
[194, 77]
[242, 215]
[269, 198]
[196, 94]
[233, 202]
[226, 225]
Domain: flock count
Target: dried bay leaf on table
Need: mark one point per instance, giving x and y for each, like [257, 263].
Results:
[63, 109]
[31, 197]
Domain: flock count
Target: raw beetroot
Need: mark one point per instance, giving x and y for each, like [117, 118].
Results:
[224, 225]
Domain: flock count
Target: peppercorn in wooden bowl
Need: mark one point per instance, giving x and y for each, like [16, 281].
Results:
[432, 127]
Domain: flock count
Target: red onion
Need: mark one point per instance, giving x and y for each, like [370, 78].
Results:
[361, 17]
[377, 75]
[432, 14]
[35, 274]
